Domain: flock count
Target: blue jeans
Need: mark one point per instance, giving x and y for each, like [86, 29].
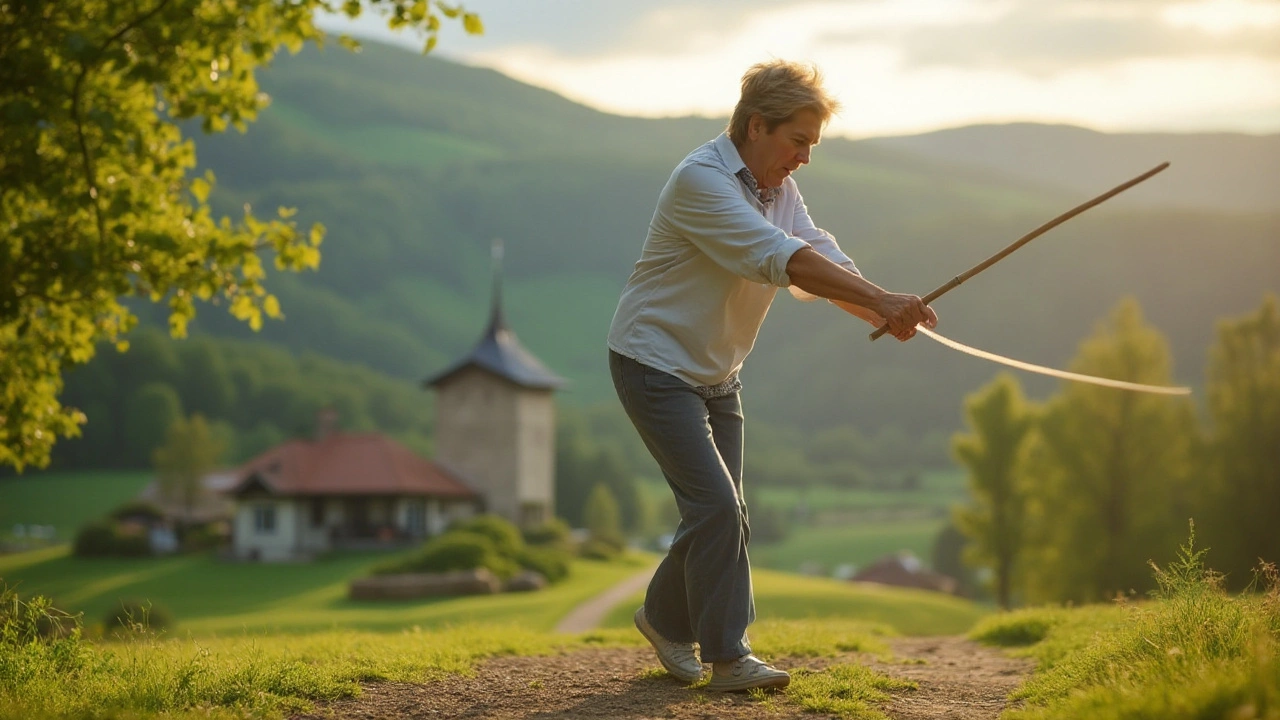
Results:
[702, 590]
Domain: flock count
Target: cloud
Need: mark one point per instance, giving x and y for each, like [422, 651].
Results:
[904, 65]
[1050, 36]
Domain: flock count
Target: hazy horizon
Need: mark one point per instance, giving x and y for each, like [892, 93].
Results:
[900, 67]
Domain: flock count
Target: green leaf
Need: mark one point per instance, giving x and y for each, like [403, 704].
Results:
[200, 189]
[471, 23]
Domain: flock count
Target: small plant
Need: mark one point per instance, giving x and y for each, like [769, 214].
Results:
[137, 617]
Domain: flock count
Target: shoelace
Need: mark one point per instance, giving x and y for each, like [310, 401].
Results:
[680, 651]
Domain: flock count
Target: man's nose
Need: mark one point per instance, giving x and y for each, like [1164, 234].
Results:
[803, 155]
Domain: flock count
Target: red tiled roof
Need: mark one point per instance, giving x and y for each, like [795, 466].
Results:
[350, 464]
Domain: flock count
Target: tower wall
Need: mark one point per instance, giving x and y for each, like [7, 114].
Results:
[476, 435]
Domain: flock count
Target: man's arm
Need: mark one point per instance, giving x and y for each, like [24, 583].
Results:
[813, 273]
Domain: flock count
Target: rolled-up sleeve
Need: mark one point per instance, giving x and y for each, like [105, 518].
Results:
[706, 207]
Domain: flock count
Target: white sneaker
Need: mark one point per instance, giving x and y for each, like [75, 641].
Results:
[746, 673]
[679, 659]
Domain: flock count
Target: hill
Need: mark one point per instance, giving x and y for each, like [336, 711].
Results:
[1214, 171]
[414, 164]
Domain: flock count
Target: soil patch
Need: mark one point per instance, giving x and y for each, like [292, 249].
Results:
[958, 679]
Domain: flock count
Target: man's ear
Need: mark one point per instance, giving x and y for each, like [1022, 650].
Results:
[755, 126]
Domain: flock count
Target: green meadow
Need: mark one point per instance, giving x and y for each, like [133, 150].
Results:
[65, 500]
[783, 596]
[208, 596]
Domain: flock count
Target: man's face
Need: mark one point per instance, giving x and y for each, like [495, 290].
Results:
[783, 151]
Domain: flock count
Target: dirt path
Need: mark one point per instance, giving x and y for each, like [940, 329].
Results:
[591, 613]
[957, 678]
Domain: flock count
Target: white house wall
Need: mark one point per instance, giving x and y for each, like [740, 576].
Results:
[281, 544]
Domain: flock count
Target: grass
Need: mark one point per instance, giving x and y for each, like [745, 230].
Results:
[848, 526]
[857, 544]
[65, 500]
[781, 596]
[1193, 652]
[271, 676]
[210, 597]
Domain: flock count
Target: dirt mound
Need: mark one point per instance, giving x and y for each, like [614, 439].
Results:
[957, 678]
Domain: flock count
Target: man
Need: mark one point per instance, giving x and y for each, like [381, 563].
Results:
[729, 229]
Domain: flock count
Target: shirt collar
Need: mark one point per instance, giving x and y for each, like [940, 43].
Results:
[732, 160]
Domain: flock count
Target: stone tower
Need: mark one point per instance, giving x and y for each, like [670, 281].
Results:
[495, 420]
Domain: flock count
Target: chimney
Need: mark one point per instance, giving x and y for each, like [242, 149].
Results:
[326, 423]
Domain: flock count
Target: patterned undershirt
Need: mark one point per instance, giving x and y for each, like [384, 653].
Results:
[764, 195]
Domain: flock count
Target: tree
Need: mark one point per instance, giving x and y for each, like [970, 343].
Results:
[95, 198]
[1110, 470]
[148, 415]
[190, 452]
[1000, 420]
[1243, 447]
[604, 523]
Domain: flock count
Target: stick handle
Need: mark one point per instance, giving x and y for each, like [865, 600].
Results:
[955, 281]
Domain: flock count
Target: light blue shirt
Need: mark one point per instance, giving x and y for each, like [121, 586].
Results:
[711, 265]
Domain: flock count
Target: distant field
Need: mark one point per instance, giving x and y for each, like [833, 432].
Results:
[781, 596]
[65, 500]
[830, 526]
[210, 597]
[857, 544]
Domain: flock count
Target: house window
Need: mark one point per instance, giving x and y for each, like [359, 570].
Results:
[416, 518]
[264, 519]
[317, 513]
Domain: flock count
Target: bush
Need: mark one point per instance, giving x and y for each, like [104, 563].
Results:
[455, 550]
[597, 549]
[132, 544]
[556, 533]
[104, 538]
[506, 537]
[95, 539]
[201, 537]
[137, 509]
[135, 617]
[551, 563]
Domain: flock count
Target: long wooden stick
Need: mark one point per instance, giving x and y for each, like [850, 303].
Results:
[955, 281]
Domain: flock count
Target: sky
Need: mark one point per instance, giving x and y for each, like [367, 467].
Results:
[898, 66]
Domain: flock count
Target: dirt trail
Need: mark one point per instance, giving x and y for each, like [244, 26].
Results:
[958, 679]
[591, 613]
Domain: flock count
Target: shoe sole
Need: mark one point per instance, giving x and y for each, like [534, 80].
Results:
[674, 670]
[776, 682]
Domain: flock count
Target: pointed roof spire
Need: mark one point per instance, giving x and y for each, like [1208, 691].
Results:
[496, 320]
[498, 351]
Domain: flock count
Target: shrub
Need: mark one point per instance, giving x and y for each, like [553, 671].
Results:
[201, 537]
[506, 537]
[133, 617]
[137, 509]
[455, 550]
[554, 533]
[551, 563]
[133, 543]
[95, 539]
[598, 549]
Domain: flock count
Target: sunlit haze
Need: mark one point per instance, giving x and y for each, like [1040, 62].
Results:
[899, 66]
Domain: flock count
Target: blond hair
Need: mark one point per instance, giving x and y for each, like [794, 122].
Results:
[776, 91]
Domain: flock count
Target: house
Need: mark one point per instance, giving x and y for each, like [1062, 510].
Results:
[210, 506]
[495, 452]
[495, 422]
[342, 491]
[905, 570]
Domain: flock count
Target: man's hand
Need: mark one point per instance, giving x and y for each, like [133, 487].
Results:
[903, 313]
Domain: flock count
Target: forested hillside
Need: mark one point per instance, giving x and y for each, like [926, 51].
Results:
[415, 164]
